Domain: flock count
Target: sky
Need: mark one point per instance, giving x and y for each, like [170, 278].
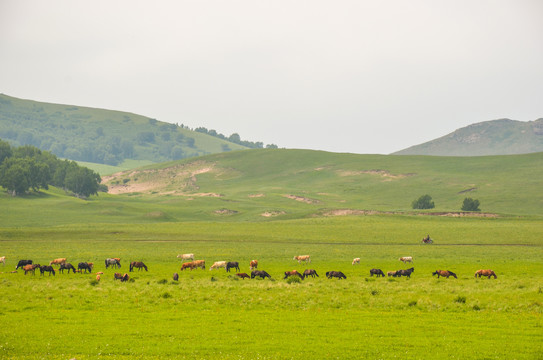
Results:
[367, 77]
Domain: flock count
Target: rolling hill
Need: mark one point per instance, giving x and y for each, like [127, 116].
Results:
[102, 136]
[496, 137]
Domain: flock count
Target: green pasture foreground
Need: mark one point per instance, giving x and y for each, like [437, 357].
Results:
[212, 314]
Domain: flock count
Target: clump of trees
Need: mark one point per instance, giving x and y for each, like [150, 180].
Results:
[423, 202]
[470, 204]
[27, 168]
[236, 139]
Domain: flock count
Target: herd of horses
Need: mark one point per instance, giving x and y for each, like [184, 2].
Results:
[87, 267]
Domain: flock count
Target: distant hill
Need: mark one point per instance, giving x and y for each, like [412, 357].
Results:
[105, 136]
[496, 137]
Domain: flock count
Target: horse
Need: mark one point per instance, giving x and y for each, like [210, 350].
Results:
[243, 275]
[406, 259]
[117, 276]
[301, 258]
[444, 273]
[486, 272]
[22, 263]
[31, 267]
[113, 262]
[377, 272]
[84, 266]
[310, 272]
[253, 264]
[58, 261]
[218, 264]
[407, 272]
[356, 261]
[3, 260]
[391, 273]
[66, 266]
[185, 257]
[137, 264]
[175, 277]
[193, 265]
[293, 273]
[338, 274]
[260, 273]
[232, 265]
[125, 278]
[47, 268]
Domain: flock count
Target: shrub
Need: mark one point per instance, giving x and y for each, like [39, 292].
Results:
[476, 307]
[470, 205]
[413, 303]
[423, 202]
[460, 299]
[166, 295]
[375, 292]
[293, 280]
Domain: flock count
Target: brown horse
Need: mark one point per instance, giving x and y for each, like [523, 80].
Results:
[337, 274]
[293, 273]
[486, 272]
[310, 272]
[444, 273]
[243, 276]
[137, 264]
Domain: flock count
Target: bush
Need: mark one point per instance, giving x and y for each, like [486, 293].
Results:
[423, 202]
[470, 205]
[460, 299]
[293, 280]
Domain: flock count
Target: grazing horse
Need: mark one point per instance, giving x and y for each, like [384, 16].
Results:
[66, 266]
[193, 265]
[125, 278]
[391, 273]
[338, 274]
[293, 273]
[444, 273]
[113, 262]
[3, 260]
[117, 276]
[407, 272]
[232, 265]
[185, 256]
[22, 263]
[260, 273]
[175, 277]
[486, 272]
[356, 261]
[31, 267]
[58, 261]
[84, 266]
[301, 258]
[137, 264]
[377, 272]
[253, 265]
[406, 259]
[218, 264]
[310, 272]
[47, 268]
[243, 275]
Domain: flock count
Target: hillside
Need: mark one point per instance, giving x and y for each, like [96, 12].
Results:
[101, 136]
[496, 137]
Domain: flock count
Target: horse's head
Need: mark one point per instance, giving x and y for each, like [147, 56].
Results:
[434, 273]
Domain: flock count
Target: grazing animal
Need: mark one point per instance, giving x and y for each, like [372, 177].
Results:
[97, 277]
[100, 273]
[356, 261]
[84, 266]
[3, 260]
[22, 263]
[310, 272]
[377, 272]
[486, 272]
[31, 267]
[260, 273]
[47, 268]
[444, 273]
[66, 266]
[185, 256]
[125, 278]
[243, 275]
[113, 262]
[406, 259]
[293, 273]
[193, 265]
[175, 277]
[391, 273]
[407, 272]
[301, 258]
[117, 276]
[232, 265]
[338, 274]
[58, 261]
[137, 264]
[218, 264]
[253, 264]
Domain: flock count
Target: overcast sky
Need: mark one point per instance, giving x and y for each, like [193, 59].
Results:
[343, 76]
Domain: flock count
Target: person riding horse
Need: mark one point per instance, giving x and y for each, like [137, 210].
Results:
[427, 240]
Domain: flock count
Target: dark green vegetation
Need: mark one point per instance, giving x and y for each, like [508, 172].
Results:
[423, 202]
[496, 137]
[104, 136]
[470, 204]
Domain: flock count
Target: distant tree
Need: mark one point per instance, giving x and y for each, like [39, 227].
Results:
[470, 204]
[82, 181]
[177, 152]
[271, 146]
[201, 129]
[190, 142]
[423, 202]
[5, 150]
[14, 176]
[146, 137]
[128, 148]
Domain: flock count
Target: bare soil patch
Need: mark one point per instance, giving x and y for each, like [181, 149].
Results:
[387, 175]
[302, 199]
[272, 213]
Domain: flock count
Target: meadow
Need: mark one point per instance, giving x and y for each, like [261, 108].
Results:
[210, 314]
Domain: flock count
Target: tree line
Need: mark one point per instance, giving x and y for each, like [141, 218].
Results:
[27, 168]
[236, 139]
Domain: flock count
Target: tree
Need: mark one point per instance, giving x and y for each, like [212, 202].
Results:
[423, 202]
[470, 204]
[5, 150]
[82, 181]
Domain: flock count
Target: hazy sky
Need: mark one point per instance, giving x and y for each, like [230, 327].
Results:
[344, 76]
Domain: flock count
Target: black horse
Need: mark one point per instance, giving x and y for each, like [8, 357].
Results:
[377, 272]
[83, 266]
[47, 268]
[22, 263]
[232, 265]
[175, 276]
[310, 272]
[338, 274]
[260, 273]
[407, 272]
[66, 266]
